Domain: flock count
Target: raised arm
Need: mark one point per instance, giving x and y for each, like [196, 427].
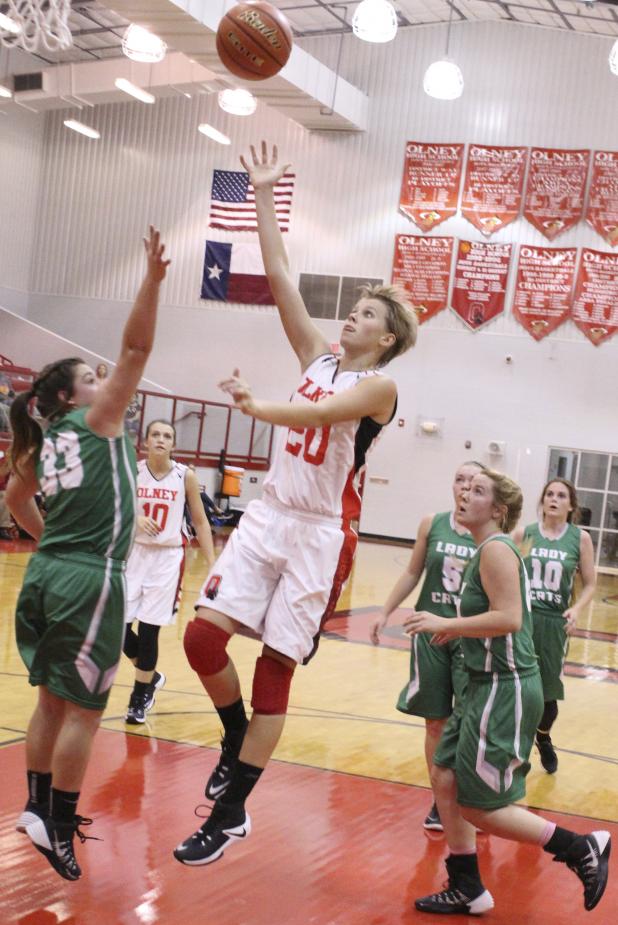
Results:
[306, 339]
[106, 414]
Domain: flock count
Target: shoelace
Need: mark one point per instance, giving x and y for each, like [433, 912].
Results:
[83, 820]
[584, 867]
[450, 897]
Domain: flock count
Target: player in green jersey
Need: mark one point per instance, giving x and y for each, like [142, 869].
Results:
[555, 549]
[70, 613]
[481, 762]
[437, 674]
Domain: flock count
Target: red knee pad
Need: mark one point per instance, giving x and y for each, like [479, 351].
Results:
[205, 644]
[271, 686]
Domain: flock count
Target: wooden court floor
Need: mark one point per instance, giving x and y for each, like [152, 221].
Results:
[337, 818]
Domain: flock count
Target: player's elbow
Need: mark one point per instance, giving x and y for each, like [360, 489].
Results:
[512, 620]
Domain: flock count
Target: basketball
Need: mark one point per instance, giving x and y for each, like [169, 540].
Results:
[254, 40]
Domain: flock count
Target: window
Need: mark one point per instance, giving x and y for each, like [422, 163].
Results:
[332, 296]
[595, 475]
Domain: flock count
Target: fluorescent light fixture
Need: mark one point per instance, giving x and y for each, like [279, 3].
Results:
[443, 80]
[237, 102]
[5, 93]
[613, 58]
[127, 87]
[213, 133]
[81, 128]
[9, 25]
[375, 21]
[141, 45]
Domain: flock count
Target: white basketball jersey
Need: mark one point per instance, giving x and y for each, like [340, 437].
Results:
[316, 470]
[164, 501]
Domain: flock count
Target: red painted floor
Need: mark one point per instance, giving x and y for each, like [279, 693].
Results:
[327, 849]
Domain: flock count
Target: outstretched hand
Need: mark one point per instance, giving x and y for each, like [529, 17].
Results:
[240, 392]
[265, 171]
[157, 266]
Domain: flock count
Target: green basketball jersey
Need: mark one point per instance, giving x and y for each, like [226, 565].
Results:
[448, 553]
[501, 654]
[551, 565]
[89, 487]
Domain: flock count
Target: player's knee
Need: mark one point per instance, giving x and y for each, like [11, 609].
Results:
[442, 780]
[130, 646]
[271, 686]
[205, 644]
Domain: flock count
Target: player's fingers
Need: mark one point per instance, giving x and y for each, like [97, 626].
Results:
[254, 155]
[244, 163]
[264, 152]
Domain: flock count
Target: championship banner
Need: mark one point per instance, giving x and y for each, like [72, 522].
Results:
[595, 304]
[493, 186]
[481, 273]
[431, 181]
[543, 288]
[423, 267]
[602, 211]
[555, 190]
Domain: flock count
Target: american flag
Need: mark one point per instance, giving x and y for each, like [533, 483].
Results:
[232, 201]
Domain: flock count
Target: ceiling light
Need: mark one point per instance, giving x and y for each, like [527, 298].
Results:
[213, 133]
[9, 25]
[238, 102]
[81, 128]
[141, 45]
[443, 80]
[5, 93]
[613, 58]
[127, 87]
[375, 21]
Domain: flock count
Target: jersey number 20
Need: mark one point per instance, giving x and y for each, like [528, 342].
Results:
[312, 441]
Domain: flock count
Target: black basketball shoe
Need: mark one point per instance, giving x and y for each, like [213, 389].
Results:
[432, 820]
[219, 780]
[588, 857]
[462, 895]
[222, 828]
[549, 758]
[55, 841]
[32, 812]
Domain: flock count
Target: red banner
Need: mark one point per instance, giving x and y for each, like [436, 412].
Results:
[431, 181]
[493, 186]
[543, 288]
[423, 267]
[480, 281]
[595, 304]
[602, 211]
[555, 190]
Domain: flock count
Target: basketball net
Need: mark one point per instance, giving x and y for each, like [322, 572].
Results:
[43, 24]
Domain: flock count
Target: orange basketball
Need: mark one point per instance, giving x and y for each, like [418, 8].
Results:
[254, 40]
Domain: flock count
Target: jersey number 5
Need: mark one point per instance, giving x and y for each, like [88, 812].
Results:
[69, 475]
[312, 441]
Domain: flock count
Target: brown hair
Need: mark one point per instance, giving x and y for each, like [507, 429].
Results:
[401, 318]
[160, 421]
[574, 515]
[507, 493]
[27, 433]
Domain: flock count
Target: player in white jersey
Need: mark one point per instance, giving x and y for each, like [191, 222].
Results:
[154, 568]
[282, 570]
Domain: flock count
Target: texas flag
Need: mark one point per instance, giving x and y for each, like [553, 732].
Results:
[235, 273]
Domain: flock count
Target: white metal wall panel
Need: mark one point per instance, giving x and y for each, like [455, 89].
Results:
[21, 155]
[523, 86]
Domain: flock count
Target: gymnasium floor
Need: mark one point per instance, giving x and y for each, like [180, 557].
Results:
[337, 817]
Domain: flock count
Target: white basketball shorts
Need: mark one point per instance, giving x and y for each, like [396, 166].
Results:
[280, 575]
[153, 583]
